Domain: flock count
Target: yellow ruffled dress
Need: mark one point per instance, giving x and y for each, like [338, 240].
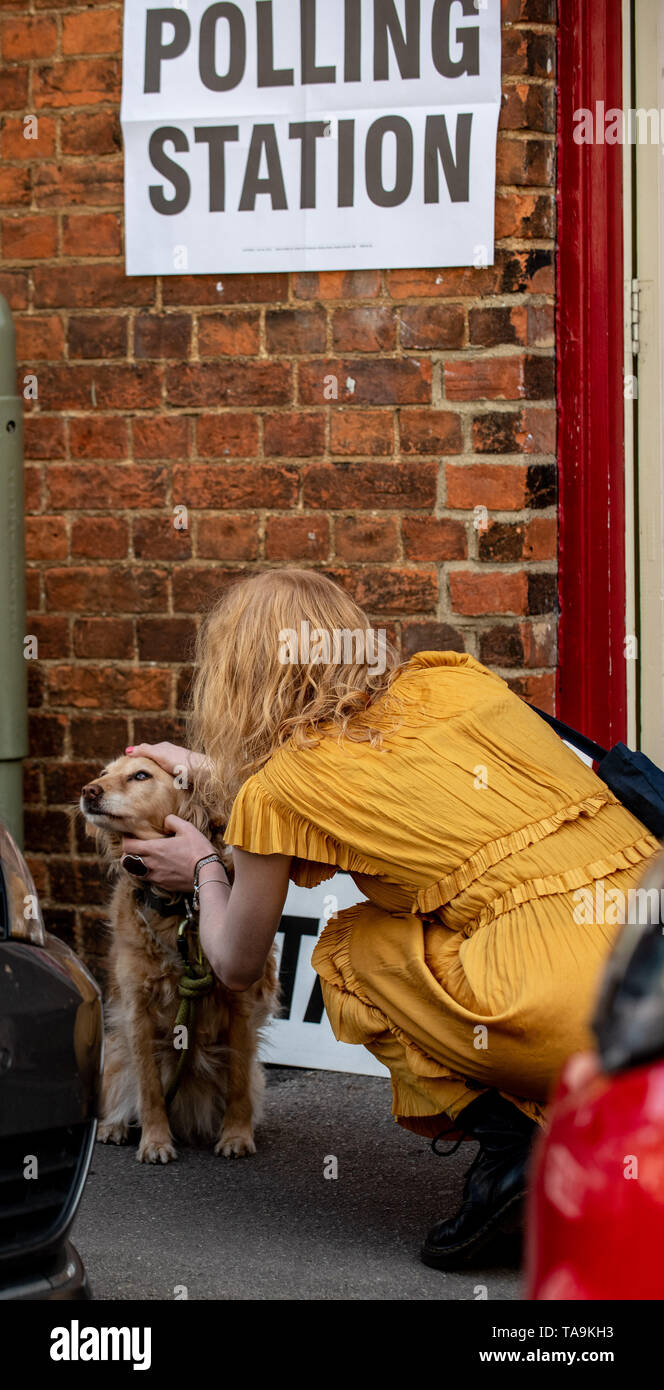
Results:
[473, 964]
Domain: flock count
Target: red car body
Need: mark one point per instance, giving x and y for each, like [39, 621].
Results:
[595, 1226]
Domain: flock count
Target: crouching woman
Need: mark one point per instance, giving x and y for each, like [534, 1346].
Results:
[463, 819]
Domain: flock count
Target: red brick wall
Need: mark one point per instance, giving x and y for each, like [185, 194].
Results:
[207, 391]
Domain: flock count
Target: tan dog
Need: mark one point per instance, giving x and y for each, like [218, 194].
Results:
[221, 1086]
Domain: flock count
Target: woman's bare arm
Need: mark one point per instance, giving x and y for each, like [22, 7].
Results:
[238, 925]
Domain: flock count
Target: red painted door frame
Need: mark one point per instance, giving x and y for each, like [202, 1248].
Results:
[591, 691]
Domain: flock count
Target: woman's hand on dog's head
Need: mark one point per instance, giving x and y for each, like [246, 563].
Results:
[170, 756]
[171, 861]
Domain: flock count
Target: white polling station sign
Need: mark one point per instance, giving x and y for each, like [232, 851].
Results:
[274, 135]
[302, 1036]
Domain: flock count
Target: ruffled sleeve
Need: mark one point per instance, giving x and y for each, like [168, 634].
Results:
[259, 824]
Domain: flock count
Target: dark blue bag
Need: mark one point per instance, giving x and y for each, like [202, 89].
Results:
[632, 777]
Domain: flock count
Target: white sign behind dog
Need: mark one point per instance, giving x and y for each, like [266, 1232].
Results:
[302, 1036]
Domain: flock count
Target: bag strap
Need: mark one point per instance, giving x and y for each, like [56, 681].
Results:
[585, 745]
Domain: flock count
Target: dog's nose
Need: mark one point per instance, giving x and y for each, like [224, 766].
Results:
[93, 791]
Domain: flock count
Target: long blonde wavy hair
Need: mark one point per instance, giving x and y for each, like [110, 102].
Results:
[248, 698]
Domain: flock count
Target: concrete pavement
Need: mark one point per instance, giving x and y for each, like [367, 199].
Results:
[272, 1226]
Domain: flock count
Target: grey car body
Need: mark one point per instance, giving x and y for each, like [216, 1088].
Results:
[51, 1042]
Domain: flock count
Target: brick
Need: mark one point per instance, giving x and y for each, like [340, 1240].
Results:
[447, 282]
[525, 272]
[165, 639]
[247, 383]
[190, 290]
[46, 538]
[392, 590]
[97, 336]
[39, 337]
[14, 186]
[162, 336]
[98, 736]
[436, 326]
[292, 435]
[28, 237]
[380, 381]
[235, 486]
[431, 637]
[77, 82]
[541, 486]
[295, 330]
[542, 589]
[74, 184]
[473, 594]
[46, 734]
[95, 687]
[525, 162]
[14, 287]
[32, 478]
[90, 132]
[524, 215]
[166, 437]
[370, 328]
[540, 538]
[370, 539]
[231, 435]
[157, 538]
[80, 487]
[527, 431]
[14, 89]
[528, 53]
[495, 325]
[103, 286]
[365, 432]
[63, 782]
[337, 284]
[499, 487]
[227, 537]
[430, 432]
[28, 38]
[231, 334]
[96, 638]
[119, 387]
[44, 437]
[46, 831]
[99, 538]
[434, 538]
[21, 141]
[536, 690]
[52, 635]
[98, 437]
[535, 11]
[297, 538]
[96, 31]
[529, 106]
[118, 590]
[99, 234]
[478, 378]
[197, 588]
[397, 486]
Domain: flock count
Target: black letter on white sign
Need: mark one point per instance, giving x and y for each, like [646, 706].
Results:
[267, 76]
[156, 49]
[161, 162]
[263, 138]
[311, 73]
[216, 136]
[381, 196]
[207, 48]
[353, 41]
[407, 50]
[456, 169]
[469, 38]
[308, 132]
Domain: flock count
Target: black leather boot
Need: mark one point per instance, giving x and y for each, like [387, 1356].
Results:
[495, 1184]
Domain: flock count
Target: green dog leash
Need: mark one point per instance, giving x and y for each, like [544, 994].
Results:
[196, 982]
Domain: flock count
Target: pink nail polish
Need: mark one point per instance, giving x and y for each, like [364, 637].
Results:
[130, 750]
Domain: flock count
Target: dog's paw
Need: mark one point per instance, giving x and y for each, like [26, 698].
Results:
[236, 1145]
[112, 1134]
[155, 1149]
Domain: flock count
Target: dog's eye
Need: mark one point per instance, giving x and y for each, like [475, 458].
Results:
[140, 776]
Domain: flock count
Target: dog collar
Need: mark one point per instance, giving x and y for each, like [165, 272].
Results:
[148, 896]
